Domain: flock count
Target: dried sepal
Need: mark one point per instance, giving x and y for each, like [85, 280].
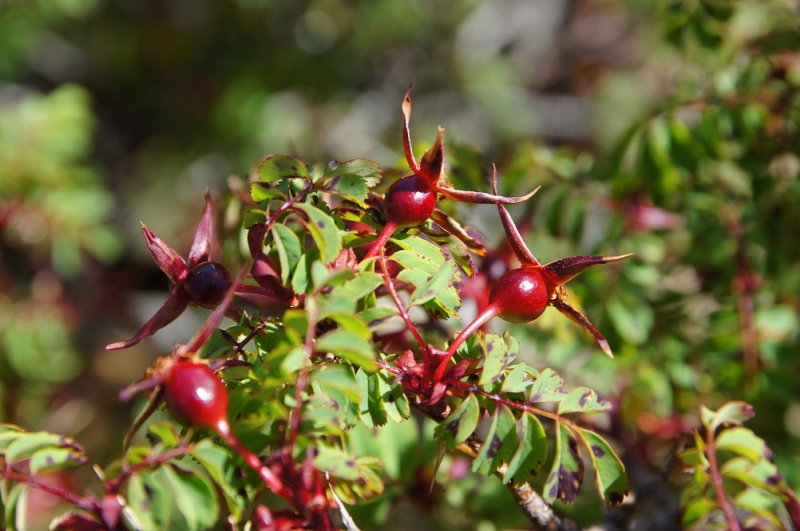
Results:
[565, 269]
[172, 308]
[561, 304]
[203, 236]
[167, 258]
[512, 232]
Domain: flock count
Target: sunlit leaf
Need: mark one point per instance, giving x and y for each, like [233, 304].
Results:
[460, 424]
[566, 476]
[288, 247]
[499, 443]
[434, 286]
[584, 400]
[609, 472]
[349, 346]
[548, 387]
[279, 167]
[322, 229]
[531, 453]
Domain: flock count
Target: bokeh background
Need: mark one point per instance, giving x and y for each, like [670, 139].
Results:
[667, 128]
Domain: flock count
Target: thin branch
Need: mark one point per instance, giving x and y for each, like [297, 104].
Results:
[399, 303]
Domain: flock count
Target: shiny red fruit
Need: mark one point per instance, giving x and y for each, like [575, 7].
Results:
[196, 396]
[207, 284]
[409, 202]
[521, 295]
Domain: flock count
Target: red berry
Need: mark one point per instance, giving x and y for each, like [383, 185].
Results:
[409, 202]
[196, 396]
[521, 295]
[207, 284]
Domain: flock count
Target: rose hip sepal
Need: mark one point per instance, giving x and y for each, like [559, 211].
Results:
[522, 295]
[411, 201]
[198, 280]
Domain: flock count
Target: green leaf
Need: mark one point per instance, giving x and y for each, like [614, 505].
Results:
[414, 246]
[498, 356]
[166, 433]
[359, 286]
[27, 446]
[219, 465]
[378, 316]
[371, 407]
[338, 377]
[434, 286]
[337, 463]
[322, 229]
[735, 412]
[261, 191]
[531, 453]
[368, 171]
[548, 387]
[148, 498]
[759, 474]
[519, 379]
[744, 442]
[565, 478]
[349, 346]
[457, 250]
[456, 428]
[16, 507]
[609, 472]
[395, 402]
[8, 434]
[288, 247]
[194, 496]
[500, 442]
[696, 510]
[412, 260]
[279, 167]
[56, 459]
[584, 400]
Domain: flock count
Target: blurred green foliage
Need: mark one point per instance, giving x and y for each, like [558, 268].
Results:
[666, 127]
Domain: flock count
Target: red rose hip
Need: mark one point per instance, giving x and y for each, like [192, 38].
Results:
[196, 396]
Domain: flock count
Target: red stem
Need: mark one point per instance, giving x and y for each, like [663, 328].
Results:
[792, 506]
[252, 460]
[488, 312]
[383, 237]
[86, 503]
[716, 481]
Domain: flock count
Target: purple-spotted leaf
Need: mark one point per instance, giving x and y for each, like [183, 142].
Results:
[288, 247]
[337, 463]
[609, 472]
[323, 229]
[565, 478]
[460, 424]
[55, 458]
[261, 191]
[548, 387]
[467, 236]
[431, 288]
[736, 412]
[531, 453]
[414, 245]
[27, 444]
[279, 167]
[744, 442]
[500, 442]
[584, 400]
[454, 247]
[519, 379]
[148, 500]
[761, 474]
[500, 351]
